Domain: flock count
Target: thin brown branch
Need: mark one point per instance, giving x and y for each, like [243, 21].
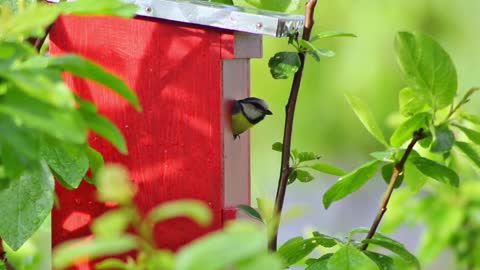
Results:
[3, 258]
[285, 169]
[397, 171]
[41, 40]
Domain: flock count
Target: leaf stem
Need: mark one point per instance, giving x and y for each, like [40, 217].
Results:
[397, 170]
[285, 168]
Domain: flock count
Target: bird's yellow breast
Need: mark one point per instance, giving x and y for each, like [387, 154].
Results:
[240, 123]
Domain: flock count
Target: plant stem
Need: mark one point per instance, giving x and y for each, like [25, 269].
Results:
[285, 168]
[39, 41]
[397, 170]
[3, 258]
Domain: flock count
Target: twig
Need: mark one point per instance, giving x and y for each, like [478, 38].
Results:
[285, 169]
[39, 41]
[3, 258]
[397, 170]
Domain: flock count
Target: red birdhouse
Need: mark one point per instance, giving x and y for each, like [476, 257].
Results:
[186, 61]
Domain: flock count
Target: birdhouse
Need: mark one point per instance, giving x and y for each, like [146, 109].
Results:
[186, 61]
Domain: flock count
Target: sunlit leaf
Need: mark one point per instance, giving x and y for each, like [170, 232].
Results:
[410, 104]
[215, 250]
[471, 151]
[65, 254]
[330, 34]
[427, 67]
[326, 168]
[350, 182]
[363, 113]
[405, 131]
[84, 68]
[278, 146]
[473, 135]
[413, 177]
[196, 210]
[350, 258]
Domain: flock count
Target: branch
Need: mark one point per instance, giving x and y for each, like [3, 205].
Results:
[285, 169]
[397, 170]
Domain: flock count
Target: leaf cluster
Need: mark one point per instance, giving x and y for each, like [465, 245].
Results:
[112, 236]
[43, 123]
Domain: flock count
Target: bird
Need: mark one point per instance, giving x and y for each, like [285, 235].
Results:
[246, 113]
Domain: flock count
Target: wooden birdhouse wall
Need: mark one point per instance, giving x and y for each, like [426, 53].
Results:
[181, 145]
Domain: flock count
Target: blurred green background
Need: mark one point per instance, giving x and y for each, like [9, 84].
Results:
[324, 123]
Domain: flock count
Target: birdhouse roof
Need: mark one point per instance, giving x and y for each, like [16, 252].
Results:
[217, 15]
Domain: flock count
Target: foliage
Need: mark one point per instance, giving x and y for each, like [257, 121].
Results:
[44, 124]
[434, 120]
[111, 236]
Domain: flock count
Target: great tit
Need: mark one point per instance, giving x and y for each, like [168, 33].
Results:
[246, 113]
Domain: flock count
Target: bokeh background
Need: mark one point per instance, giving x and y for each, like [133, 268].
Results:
[324, 123]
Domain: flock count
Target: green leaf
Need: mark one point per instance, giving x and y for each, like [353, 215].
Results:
[363, 113]
[252, 212]
[413, 177]
[387, 171]
[105, 128]
[114, 184]
[383, 261]
[386, 156]
[405, 131]
[326, 168]
[263, 261]
[95, 160]
[296, 249]
[427, 67]
[303, 176]
[65, 254]
[307, 156]
[198, 211]
[410, 103]
[30, 22]
[92, 7]
[111, 264]
[22, 139]
[350, 258]
[472, 118]
[320, 263]
[284, 64]
[113, 223]
[63, 124]
[278, 5]
[247, 238]
[68, 161]
[444, 139]
[84, 68]
[473, 135]
[316, 52]
[331, 34]
[11, 52]
[226, 2]
[394, 247]
[471, 151]
[43, 84]
[26, 202]
[278, 146]
[350, 182]
[436, 170]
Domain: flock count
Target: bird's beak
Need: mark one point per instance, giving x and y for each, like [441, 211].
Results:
[268, 112]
